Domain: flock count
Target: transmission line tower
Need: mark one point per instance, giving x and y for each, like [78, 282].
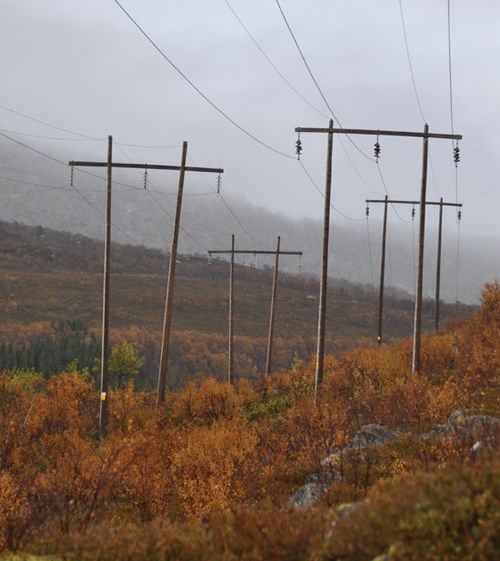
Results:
[386, 202]
[330, 131]
[232, 252]
[109, 164]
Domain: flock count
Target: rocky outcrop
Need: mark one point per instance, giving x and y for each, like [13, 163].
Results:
[480, 432]
[317, 484]
[475, 428]
[371, 435]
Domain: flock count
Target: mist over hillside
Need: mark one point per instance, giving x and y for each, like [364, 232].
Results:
[37, 191]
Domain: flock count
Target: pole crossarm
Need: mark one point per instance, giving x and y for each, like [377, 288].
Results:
[387, 202]
[164, 353]
[78, 164]
[250, 252]
[373, 132]
[425, 135]
[232, 252]
[396, 202]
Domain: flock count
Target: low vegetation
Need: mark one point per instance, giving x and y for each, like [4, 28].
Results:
[209, 475]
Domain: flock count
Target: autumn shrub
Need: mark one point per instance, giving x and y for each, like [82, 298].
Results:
[448, 515]
[376, 386]
[269, 533]
[69, 403]
[66, 474]
[16, 513]
[158, 540]
[129, 409]
[478, 342]
[206, 403]
[446, 398]
[313, 430]
[146, 488]
[216, 466]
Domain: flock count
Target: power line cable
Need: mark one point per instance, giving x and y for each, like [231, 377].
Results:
[81, 135]
[239, 221]
[275, 68]
[450, 68]
[45, 137]
[306, 63]
[387, 193]
[409, 62]
[450, 80]
[292, 34]
[196, 88]
[40, 122]
[73, 187]
[323, 195]
[163, 209]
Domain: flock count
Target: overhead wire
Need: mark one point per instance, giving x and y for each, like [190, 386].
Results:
[313, 78]
[323, 195]
[226, 204]
[78, 191]
[39, 121]
[292, 34]
[212, 192]
[387, 193]
[163, 209]
[275, 68]
[417, 97]
[195, 87]
[452, 125]
[45, 137]
[415, 89]
[75, 133]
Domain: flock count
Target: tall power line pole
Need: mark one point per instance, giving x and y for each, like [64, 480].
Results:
[426, 135]
[233, 252]
[386, 202]
[109, 164]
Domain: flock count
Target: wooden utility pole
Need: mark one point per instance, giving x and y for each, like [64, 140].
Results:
[103, 403]
[233, 252]
[166, 328]
[382, 276]
[167, 315]
[230, 368]
[426, 135]
[272, 314]
[387, 201]
[438, 269]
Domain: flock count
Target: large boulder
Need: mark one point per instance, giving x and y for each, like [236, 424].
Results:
[474, 428]
[371, 435]
[315, 486]
[308, 494]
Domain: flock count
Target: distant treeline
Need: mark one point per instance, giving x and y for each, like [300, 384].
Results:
[53, 349]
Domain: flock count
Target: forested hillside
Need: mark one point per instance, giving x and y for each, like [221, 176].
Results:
[215, 471]
[51, 294]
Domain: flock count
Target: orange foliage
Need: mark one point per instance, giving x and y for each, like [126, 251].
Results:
[216, 466]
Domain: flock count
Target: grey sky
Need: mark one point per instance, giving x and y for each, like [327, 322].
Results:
[83, 66]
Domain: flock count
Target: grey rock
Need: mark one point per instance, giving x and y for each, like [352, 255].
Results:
[482, 425]
[476, 427]
[315, 486]
[372, 435]
[308, 494]
[457, 418]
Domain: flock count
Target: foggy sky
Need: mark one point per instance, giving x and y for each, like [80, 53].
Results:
[84, 66]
